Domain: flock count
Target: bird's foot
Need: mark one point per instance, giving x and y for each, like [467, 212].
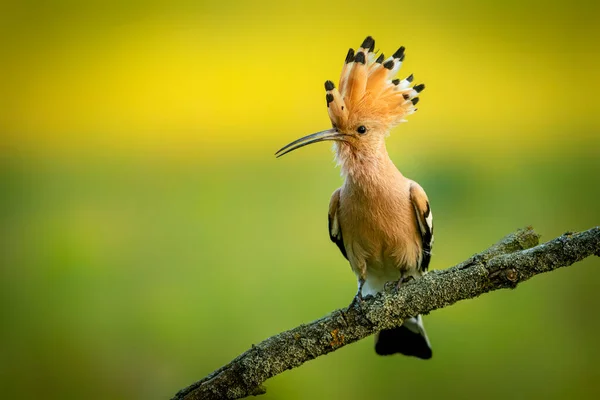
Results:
[403, 280]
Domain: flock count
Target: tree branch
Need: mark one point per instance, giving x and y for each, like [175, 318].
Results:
[504, 265]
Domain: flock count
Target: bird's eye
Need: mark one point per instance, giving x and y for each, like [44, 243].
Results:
[361, 129]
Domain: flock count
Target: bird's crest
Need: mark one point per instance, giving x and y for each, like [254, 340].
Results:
[368, 90]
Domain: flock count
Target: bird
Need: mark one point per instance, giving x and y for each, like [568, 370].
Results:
[380, 220]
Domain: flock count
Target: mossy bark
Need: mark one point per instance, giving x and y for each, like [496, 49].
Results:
[512, 260]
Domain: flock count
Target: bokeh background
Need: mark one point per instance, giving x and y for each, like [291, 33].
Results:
[148, 235]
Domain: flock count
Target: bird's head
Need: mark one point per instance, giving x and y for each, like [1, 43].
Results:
[368, 102]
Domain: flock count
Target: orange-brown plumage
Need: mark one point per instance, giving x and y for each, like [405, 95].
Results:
[368, 91]
[380, 220]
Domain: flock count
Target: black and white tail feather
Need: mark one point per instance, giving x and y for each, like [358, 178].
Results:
[409, 339]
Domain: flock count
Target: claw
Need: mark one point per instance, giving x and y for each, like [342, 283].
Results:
[402, 280]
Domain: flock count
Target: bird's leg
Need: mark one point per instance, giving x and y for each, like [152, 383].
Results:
[358, 298]
[402, 280]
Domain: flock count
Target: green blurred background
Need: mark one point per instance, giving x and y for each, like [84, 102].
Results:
[148, 235]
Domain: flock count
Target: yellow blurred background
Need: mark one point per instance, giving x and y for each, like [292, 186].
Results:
[148, 235]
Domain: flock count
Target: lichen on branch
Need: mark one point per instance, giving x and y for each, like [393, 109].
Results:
[512, 260]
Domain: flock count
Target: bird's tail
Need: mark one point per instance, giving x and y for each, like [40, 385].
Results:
[409, 339]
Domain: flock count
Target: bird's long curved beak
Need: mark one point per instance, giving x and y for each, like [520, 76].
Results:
[329, 134]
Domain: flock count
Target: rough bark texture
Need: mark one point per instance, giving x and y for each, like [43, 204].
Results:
[504, 265]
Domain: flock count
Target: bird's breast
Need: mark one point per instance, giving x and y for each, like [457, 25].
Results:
[380, 230]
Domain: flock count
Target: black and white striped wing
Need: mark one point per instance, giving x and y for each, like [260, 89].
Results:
[335, 230]
[424, 219]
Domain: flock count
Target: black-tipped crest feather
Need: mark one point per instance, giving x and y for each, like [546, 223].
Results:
[329, 98]
[360, 58]
[368, 43]
[350, 56]
[399, 53]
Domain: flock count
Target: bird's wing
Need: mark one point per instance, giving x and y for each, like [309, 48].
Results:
[424, 220]
[335, 230]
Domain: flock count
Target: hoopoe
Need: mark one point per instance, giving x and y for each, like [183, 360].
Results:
[380, 220]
